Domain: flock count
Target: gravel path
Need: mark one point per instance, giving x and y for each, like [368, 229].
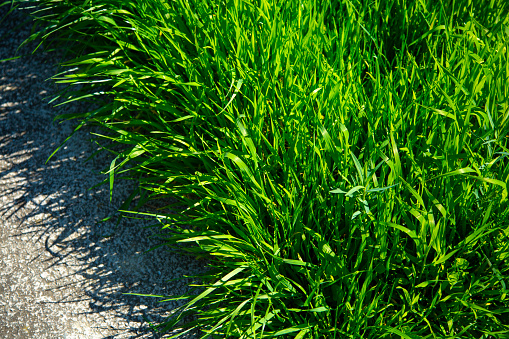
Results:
[59, 276]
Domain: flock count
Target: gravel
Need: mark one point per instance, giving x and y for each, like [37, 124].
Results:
[60, 276]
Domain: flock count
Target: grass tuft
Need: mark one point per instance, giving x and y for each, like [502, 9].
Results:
[343, 164]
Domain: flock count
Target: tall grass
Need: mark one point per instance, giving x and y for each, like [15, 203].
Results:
[343, 164]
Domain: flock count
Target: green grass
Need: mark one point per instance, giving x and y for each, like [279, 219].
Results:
[343, 164]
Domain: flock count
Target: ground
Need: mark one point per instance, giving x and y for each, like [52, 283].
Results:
[60, 277]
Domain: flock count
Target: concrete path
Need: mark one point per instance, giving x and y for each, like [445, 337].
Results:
[59, 276]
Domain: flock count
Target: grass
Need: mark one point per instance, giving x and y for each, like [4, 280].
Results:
[343, 164]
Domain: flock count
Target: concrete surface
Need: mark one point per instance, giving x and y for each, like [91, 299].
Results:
[59, 276]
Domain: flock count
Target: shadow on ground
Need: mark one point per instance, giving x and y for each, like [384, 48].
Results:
[60, 277]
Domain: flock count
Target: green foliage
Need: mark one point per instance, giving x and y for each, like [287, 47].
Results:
[343, 164]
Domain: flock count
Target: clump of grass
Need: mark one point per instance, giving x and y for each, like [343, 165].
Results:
[343, 164]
